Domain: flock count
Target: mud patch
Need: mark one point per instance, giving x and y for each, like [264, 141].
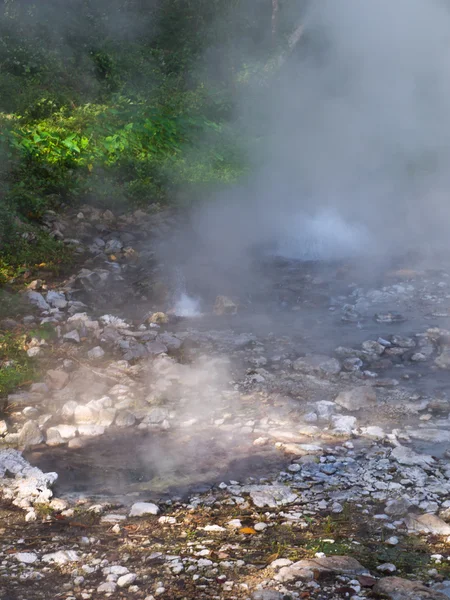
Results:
[134, 465]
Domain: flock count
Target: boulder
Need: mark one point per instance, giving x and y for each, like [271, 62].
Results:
[396, 588]
[427, 523]
[30, 435]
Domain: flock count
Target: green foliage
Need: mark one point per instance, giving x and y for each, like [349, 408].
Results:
[119, 104]
[15, 367]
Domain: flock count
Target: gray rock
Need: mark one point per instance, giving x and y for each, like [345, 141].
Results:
[56, 299]
[373, 347]
[37, 299]
[96, 353]
[155, 348]
[322, 365]
[443, 588]
[156, 416]
[443, 360]
[403, 342]
[112, 246]
[125, 419]
[406, 456]
[57, 379]
[268, 595]
[398, 507]
[270, 495]
[30, 435]
[427, 523]
[108, 587]
[325, 409]
[310, 569]
[395, 588]
[72, 336]
[357, 398]
[170, 341]
[430, 435]
[93, 281]
[39, 388]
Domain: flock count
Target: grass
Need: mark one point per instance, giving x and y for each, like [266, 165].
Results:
[16, 368]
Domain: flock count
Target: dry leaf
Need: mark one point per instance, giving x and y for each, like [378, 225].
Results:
[272, 557]
[247, 530]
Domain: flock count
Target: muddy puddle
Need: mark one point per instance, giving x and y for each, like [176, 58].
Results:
[154, 466]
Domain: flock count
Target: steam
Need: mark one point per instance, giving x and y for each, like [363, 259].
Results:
[356, 151]
[196, 389]
[185, 305]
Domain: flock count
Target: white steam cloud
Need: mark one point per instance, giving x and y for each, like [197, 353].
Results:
[357, 140]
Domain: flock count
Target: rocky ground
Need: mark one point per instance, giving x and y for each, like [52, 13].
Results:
[289, 445]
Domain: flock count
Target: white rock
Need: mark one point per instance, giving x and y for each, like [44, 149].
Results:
[140, 509]
[26, 557]
[167, 520]
[126, 580]
[61, 557]
[387, 568]
[343, 425]
[234, 524]
[213, 528]
[392, 541]
[112, 518]
[118, 570]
